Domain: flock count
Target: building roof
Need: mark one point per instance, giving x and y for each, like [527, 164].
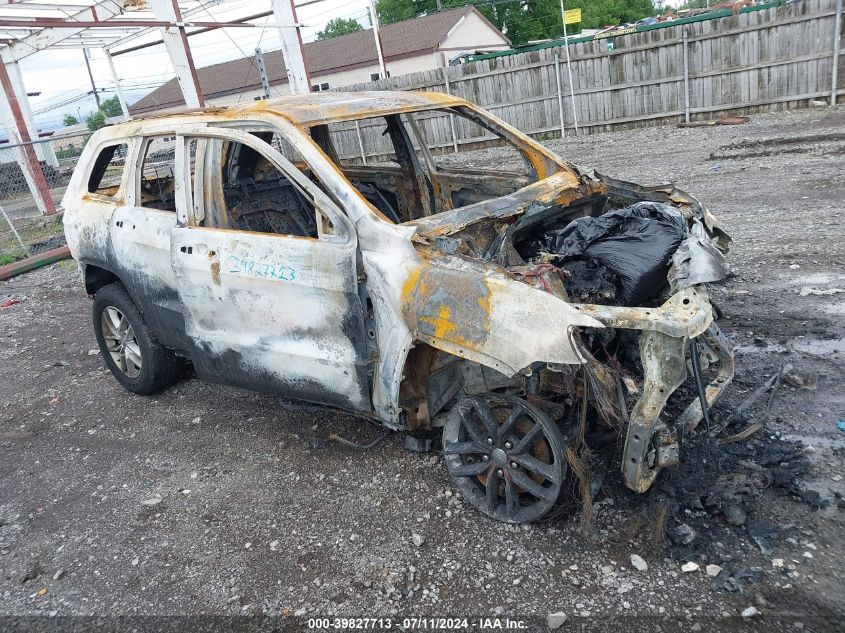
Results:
[346, 52]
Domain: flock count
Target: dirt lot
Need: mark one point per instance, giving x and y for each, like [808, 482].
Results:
[252, 520]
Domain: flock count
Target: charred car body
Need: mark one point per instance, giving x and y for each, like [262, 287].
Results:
[321, 247]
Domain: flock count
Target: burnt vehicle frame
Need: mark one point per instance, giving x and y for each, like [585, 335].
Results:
[396, 289]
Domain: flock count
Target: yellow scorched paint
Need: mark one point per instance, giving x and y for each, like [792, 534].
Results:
[444, 327]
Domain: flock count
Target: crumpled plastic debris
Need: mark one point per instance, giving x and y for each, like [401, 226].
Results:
[8, 303]
[635, 243]
[697, 260]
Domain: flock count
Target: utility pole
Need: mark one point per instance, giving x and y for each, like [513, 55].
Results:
[569, 68]
[379, 49]
[91, 77]
[262, 71]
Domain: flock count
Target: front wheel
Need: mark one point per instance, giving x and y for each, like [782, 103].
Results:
[505, 456]
[131, 350]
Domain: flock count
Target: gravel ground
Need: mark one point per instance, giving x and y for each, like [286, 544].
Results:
[207, 500]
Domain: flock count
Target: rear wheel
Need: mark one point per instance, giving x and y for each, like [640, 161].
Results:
[131, 350]
[505, 456]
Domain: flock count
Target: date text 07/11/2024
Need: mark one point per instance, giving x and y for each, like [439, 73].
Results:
[418, 624]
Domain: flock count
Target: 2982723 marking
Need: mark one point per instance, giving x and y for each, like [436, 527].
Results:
[264, 270]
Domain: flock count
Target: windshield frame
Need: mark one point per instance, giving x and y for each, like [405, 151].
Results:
[543, 163]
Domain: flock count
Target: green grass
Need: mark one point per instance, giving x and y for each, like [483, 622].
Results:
[31, 230]
[11, 257]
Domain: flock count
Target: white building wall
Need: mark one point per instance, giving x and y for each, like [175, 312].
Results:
[472, 33]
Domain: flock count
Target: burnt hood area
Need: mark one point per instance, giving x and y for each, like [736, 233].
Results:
[627, 245]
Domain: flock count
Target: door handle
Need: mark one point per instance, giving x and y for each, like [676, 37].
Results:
[201, 249]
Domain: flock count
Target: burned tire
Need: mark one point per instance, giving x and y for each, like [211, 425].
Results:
[506, 457]
[131, 350]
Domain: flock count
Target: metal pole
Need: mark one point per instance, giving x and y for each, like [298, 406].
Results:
[379, 49]
[183, 36]
[569, 68]
[28, 159]
[360, 142]
[91, 77]
[262, 70]
[451, 116]
[292, 52]
[18, 237]
[44, 151]
[834, 74]
[120, 97]
[686, 75]
[559, 96]
[176, 42]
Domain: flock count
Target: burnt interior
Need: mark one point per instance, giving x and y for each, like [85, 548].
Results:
[259, 197]
[406, 181]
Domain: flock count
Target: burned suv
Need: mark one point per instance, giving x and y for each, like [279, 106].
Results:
[329, 248]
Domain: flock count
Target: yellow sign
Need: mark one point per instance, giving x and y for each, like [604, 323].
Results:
[573, 16]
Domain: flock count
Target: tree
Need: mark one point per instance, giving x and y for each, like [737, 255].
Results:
[95, 120]
[111, 107]
[338, 26]
[526, 20]
[70, 120]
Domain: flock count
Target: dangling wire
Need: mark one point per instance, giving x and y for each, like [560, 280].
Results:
[699, 382]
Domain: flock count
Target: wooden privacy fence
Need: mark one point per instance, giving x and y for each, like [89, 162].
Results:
[771, 58]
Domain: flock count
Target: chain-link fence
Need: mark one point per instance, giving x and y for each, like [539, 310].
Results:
[23, 230]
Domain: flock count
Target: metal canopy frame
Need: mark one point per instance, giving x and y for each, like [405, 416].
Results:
[27, 27]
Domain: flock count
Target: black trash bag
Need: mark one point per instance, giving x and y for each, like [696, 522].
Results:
[636, 243]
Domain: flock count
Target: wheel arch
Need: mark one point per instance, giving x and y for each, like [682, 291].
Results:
[432, 376]
[97, 275]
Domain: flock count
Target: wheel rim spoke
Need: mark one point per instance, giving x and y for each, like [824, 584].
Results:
[111, 321]
[533, 488]
[492, 491]
[507, 427]
[531, 463]
[486, 419]
[470, 470]
[471, 428]
[133, 354]
[532, 436]
[511, 498]
[465, 448]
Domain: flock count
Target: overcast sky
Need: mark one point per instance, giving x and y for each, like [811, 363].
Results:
[60, 75]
